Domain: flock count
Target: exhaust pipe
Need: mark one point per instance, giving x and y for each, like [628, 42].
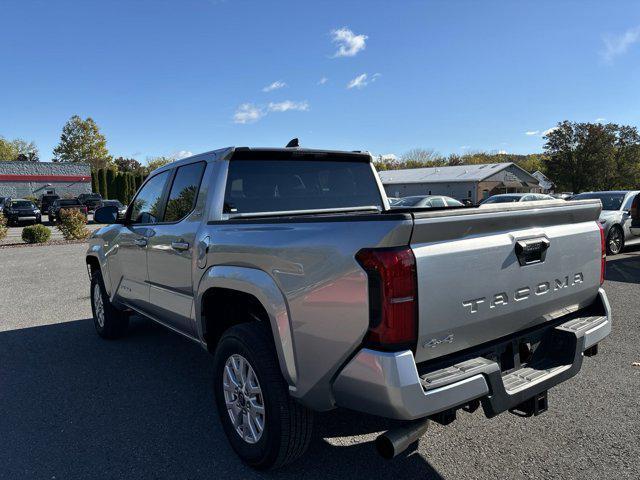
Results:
[396, 441]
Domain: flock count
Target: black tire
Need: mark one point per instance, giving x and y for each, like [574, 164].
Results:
[115, 321]
[287, 424]
[614, 248]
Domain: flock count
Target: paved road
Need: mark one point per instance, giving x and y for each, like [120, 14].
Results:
[14, 235]
[73, 406]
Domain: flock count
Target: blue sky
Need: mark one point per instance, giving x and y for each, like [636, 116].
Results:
[162, 77]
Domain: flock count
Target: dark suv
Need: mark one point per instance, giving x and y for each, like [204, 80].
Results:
[19, 210]
[90, 200]
[65, 204]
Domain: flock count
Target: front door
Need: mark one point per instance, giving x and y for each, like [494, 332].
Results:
[171, 251]
[129, 265]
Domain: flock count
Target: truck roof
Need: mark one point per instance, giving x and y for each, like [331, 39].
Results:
[258, 153]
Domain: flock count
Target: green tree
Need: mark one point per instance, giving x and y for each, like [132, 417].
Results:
[18, 150]
[140, 180]
[111, 187]
[102, 182]
[156, 162]
[81, 141]
[130, 187]
[593, 156]
[94, 181]
[118, 190]
[129, 165]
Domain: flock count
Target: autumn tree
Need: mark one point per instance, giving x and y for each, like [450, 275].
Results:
[81, 141]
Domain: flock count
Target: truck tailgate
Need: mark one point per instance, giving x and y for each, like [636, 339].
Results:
[484, 273]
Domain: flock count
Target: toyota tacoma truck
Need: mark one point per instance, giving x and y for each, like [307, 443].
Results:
[311, 293]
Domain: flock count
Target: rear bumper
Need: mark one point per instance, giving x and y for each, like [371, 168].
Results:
[388, 383]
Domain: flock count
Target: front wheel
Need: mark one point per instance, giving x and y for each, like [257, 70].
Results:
[264, 425]
[109, 321]
[615, 240]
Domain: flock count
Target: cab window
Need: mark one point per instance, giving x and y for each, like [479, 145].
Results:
[147, 206]
[184, 191]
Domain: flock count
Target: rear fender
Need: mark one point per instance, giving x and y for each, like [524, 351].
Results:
[259, 284]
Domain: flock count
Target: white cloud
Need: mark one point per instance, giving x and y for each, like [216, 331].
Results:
[389, 156]
[248, 113]
[288, 105]
[532, 132]
[601, 120]
[349, 44]
[502, 152]
[548, 131]
[274, 86]
[323, 80]
[181, 154]
[616, 45]
[465, 147]
[363, 80]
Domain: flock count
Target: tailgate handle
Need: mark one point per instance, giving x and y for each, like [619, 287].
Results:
[531, 251]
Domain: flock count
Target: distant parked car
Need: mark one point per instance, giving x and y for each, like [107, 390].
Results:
[516, 197]
[122, 209]
[3, 202]
[428, 201]
[46, 200]
[90, 200]
[65, 204]
[18, 210]
[616, 217]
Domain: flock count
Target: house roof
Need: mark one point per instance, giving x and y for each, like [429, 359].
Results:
[457, 173]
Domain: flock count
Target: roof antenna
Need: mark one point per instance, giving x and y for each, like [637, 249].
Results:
[293, 143]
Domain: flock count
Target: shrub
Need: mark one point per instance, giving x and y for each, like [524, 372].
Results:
[72, 225]
[36, 234]
[3, 226]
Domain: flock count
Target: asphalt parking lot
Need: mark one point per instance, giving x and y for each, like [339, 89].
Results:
[73, 406]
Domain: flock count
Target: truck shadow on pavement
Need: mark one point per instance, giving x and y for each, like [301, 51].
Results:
[74, 406]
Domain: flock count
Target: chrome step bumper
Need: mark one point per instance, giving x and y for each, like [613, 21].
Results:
[388, 383]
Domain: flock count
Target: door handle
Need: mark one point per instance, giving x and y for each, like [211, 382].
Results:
[180, 246]
[141, 242]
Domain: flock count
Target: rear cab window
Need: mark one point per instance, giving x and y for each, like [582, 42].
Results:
[184, 191]
[272, 185]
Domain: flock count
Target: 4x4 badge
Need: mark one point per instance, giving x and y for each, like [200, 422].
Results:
[434, 342]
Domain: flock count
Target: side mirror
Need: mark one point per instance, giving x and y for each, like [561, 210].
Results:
[106, 215]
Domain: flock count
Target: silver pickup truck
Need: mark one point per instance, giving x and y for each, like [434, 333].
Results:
[289, 266]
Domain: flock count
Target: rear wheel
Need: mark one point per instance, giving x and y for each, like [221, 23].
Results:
[264, 425]
[615, 240]
[109, 321]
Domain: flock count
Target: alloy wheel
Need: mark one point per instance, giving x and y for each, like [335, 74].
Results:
[615, 241]
[243, 398]
[98, 304]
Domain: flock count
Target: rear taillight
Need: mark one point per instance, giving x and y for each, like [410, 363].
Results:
[393, 297]
[603, 253]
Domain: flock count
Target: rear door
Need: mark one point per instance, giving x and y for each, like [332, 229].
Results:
[490, 272]
[170, 255]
